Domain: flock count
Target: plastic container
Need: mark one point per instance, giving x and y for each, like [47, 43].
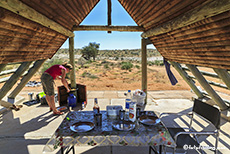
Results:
[140, 96]
[71, 100]
[113, 110]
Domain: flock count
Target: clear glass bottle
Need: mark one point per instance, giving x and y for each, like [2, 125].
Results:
[127, 102]
[96, 108]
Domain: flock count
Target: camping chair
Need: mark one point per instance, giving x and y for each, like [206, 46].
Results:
[187, 136]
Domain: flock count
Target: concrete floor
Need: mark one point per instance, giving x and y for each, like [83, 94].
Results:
[26, 131]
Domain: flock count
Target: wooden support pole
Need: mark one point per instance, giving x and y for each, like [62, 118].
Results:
[224, 75]
[8, 77]
[14, 78]
[213, 75]
[2, 66]
[108, 28]
[7, 72]
[188, 80]
[144, 66]
[217, 99]
[26, 78]
[209, 9]
[72, 62]
[212, 83]
[109, 14]
[22, 9]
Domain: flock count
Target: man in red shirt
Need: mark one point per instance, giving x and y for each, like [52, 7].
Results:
[47, 79]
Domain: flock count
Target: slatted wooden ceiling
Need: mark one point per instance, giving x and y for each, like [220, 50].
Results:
[205, 42]
[25, 40]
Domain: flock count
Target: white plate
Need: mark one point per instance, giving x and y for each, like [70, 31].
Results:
[149, 120]
[82, 126]
[124, 125]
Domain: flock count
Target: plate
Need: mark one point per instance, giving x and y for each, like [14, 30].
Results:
[82, 126]
[124, 125]
[149, 120]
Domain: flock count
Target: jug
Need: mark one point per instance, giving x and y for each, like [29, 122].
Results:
[71, 100]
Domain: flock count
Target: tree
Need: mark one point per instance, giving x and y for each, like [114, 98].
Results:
[90, 51]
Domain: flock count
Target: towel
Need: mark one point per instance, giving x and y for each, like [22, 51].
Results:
[171, 77]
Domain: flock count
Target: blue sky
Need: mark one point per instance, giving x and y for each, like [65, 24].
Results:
[115, 40]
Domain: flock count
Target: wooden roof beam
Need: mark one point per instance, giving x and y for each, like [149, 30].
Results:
[109, 13]
[108, 28]
[201, 12]
[25, 11]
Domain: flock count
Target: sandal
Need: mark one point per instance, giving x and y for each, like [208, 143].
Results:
[16, 107]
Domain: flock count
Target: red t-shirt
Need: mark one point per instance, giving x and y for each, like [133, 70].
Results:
[55, 70]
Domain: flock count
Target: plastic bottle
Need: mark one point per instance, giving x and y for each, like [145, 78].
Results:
[127, 102]
[71, 100]
[96, 108]
[132, 110]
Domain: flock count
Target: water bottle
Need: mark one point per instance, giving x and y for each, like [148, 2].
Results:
[127, 102]
[71, 100]
[82, 105]
[132, 110]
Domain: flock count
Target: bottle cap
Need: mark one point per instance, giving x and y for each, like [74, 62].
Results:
[129, 90]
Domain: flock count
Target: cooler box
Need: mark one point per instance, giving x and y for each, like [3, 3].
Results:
[63, 95]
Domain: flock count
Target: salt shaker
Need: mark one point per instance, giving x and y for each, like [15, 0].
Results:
[122, 114]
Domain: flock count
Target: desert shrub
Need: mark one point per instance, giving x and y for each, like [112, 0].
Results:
[104, 62]
[50, 63]
[106, 66]
[137, 66]
[156, 62]
[150, 63]
[85, 66]
[89, 75]
[112, 64]
[159, 62]
[126, 65]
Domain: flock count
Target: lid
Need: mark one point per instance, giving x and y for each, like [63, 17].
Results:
[129, 90]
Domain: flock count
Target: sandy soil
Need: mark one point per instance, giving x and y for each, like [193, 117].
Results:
[113, 78]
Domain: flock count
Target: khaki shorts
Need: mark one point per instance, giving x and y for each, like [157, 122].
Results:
[47, 84]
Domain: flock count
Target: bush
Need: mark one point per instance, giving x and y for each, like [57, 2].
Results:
[89, 75]
[50, 63]
[106, 66]
[159, 62]
[137, 66]
[126, 66]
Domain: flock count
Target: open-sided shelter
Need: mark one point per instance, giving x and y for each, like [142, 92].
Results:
[191, 32]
